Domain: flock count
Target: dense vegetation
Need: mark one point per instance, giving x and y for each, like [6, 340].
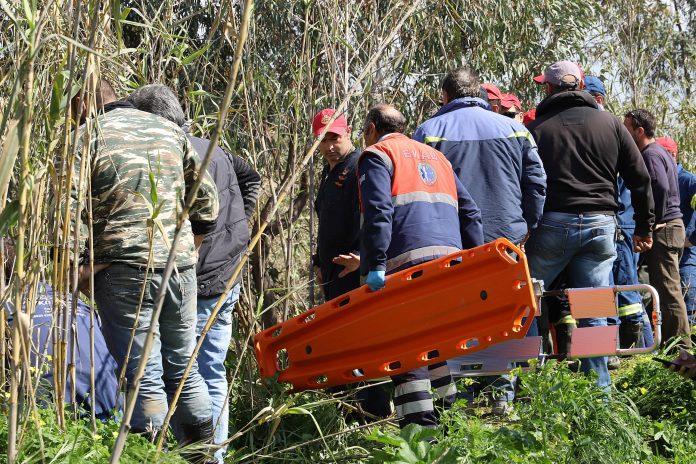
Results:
[562, 418]
[252, 75]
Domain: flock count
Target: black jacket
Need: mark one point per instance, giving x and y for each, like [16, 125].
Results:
[238, 188]
[338, 210]
[583, 150]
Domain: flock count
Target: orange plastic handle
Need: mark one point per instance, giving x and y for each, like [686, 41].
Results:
[428, 313]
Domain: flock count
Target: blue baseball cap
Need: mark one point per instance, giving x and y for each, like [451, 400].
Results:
[593, 84]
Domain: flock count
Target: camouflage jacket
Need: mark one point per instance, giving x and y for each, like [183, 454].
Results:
[142, 167]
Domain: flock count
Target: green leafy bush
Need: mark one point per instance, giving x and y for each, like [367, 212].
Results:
[658, 393]
[565, 418]
[412, 445]
[77, 443]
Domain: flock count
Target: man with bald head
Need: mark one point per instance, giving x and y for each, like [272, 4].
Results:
[414, 210]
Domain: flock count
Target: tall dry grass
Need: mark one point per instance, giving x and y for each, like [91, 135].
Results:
[250, 76]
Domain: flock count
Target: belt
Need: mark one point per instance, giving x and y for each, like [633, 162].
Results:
[156, 270]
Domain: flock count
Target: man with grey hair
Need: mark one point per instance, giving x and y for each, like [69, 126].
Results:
[221, 251]
[131, 252]
[160, 100]
[496, 160]
[482, 144]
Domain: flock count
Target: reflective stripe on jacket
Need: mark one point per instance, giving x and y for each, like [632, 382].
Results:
[687, 194]
[496, 160]
[411, 203]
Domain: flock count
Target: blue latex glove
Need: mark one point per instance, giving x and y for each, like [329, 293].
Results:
[375, 280]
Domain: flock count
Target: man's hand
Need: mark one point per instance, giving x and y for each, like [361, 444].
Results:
[83, 276]
[524, 240]
[642, 244]
[687, 363]
[350, 263]
[318, 278]
[375, 280]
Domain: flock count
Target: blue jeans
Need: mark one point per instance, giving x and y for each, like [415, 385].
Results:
[584, 244]
[625, 272]
[687, 274]
[211, 360]
[117, 293]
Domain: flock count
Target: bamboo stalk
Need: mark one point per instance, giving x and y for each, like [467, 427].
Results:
[90, 244]
[281, 196]
[244, 29]
[26, 123]
[25, 327]
[60, 275]
[3, 314]
[159, 300]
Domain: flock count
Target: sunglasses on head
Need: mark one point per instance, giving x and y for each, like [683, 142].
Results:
[636, 122]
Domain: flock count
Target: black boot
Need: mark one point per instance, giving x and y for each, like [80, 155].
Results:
[564, 333]
[631, 335]
[374, 400]
[199, 435]
[564, 338]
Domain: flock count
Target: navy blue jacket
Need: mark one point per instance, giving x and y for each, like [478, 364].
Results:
[624, 215]
[687, 190]
[663, 179]
[390, 232]
[338, 211]
[105, 380]
[496, 160]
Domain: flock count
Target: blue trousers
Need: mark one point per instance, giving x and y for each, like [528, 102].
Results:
[687, 273]
[117, 292]
[413, 400]
[625, 272]
[584, 244]
[211, 360]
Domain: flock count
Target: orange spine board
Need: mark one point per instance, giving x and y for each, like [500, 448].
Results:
[428, 313]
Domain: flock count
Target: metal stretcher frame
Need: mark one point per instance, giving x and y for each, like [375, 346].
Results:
[586, 342]
[431, 312]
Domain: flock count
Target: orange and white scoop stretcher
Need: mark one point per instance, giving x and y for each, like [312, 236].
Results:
[457, 307]
[586, 342]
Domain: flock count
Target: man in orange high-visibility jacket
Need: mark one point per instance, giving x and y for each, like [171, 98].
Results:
[414, 210]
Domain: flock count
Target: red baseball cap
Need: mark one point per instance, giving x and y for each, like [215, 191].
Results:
[510, 101]
[529, 116]
[322, 118]
[668, 144]
[492, 91]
